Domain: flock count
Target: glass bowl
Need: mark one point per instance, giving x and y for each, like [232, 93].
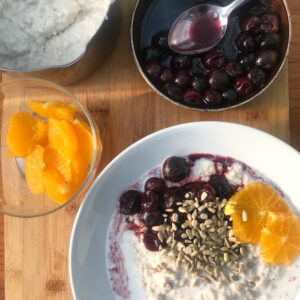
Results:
[15, 197]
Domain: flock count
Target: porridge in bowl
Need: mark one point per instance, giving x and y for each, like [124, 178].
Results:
[203, 227]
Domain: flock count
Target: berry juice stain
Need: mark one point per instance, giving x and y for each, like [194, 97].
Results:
[205, 28]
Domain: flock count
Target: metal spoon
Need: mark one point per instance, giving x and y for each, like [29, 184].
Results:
[200, 28]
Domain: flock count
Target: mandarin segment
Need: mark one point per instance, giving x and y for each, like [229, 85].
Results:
[55, 186]
[280, 239]
[20, 136]
[79, 169]
[40, 135]
[254, 201]
[55, 160]
[34, 167]
[85, 138]
[53, 109]
[62, 137]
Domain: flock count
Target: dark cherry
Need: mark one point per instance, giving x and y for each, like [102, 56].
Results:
[150, 201]
[153, 69]
[218, 80]
[230, 95]
[245, 42]
[271, 40]
[212, 98]
[166, 60]
[257, 76]
[151, 53]
[151, 241]
[174, 92]
[192, 97]
[221, 186]
[192, 189]
[210, 193]
[244, 87]
[266, 58]
[197, 67]
[251, 24]
[269, 23]
[152, 218]
[199, 83]
[171, 197]
[166, 75]
[182, 79]
[181, 62]
[130, 202]
[175, 169]
[214, 59]
[155, 184]
[160, 40]
[234, 69]
[246, 60]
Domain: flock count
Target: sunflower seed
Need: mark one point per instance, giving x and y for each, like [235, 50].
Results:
[203, 196]
[160, 236]
[212, 210]
[206, 252]
[242, 251]
[202, 234]
[208, 223]
[226, 243]
[187, 195]
[225, 258]
[174, 227]
[202, 207]
[157, 228]
[202, 226]
[179, 203]
[194, 223]
[184, 225]
[189, 217]
[203, 216]
[182, 209]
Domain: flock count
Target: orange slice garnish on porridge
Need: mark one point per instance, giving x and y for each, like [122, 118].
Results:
[249, 209]
[280, 239]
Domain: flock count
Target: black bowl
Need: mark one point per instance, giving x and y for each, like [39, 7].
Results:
[150, 17]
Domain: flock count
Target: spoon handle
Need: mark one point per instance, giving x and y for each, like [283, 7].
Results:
[233, 5]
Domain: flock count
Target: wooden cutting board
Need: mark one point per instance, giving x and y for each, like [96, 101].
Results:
[125, 109]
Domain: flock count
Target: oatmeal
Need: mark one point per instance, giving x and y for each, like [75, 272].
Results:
[182, 245]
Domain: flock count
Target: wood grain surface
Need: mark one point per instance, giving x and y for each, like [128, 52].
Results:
[34, 252]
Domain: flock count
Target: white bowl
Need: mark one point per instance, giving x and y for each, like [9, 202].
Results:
[261, 151]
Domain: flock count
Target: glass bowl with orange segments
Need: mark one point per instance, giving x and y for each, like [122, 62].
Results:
[50, 147]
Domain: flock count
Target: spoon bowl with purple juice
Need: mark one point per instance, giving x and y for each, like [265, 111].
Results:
[200, 28]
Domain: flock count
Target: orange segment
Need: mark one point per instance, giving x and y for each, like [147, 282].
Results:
[20, 134]
[280, 239]
[85, 139]
[53, 109]
[55, 185]
[40, 135]
[34, 167]
[62, 137]
[80, 170]
[253, 202]
[55, 160]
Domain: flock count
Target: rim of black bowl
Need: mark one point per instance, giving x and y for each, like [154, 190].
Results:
[276, 74]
